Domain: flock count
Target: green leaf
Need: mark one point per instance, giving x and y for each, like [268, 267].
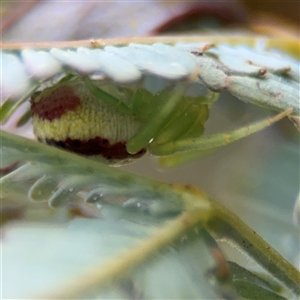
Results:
[251, 291]
[253, 286]
[6, 109]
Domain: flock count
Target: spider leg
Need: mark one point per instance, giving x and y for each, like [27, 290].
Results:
[153, 122]
[170, 115]
[9, 107]
[190, 146]
[152, 127]
[106, 97]
[187, 122]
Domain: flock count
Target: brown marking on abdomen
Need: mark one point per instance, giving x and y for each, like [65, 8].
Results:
[96, 146]
[56, 104]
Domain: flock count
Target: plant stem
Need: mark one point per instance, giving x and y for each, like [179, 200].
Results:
[226, 225]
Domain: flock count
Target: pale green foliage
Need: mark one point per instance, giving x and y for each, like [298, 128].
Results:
[149, 240]
[160, 202]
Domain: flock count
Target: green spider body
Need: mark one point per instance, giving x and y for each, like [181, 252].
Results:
[72, 115]
[68, 116]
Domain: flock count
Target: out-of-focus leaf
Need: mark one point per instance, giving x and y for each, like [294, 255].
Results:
[5, 109]
[241, 276]
[67, 250]
[251, 291]
[95, 19]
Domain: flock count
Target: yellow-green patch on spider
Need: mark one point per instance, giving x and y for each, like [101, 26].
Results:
[99, 118]
[120, 123]
[67, 115]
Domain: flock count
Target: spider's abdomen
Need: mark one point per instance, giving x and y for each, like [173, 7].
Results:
[67, 115]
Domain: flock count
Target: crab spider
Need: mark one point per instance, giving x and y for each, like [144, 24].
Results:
[133, 120]
[120, 123]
